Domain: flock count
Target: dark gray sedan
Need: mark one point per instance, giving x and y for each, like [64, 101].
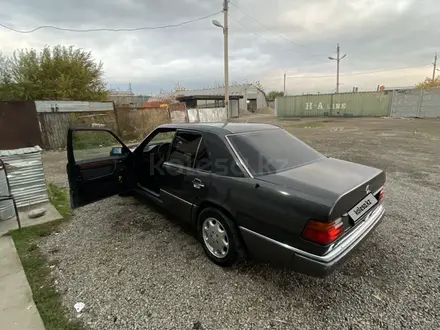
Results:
[248, 189]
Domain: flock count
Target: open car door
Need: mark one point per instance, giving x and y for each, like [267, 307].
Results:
[98, 163]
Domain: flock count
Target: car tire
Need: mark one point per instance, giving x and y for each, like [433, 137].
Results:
[214, 228]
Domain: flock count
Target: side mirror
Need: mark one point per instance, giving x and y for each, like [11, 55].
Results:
[116, 151]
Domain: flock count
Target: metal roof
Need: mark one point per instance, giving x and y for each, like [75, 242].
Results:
[233, 90]
[207, 97]
[73, 106]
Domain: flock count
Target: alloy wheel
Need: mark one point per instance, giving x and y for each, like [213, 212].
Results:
[215, 238]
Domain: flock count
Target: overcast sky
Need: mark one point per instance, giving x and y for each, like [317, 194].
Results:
[295, 35]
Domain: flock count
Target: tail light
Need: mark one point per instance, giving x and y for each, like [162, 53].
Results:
[323, 233]
[381, 195]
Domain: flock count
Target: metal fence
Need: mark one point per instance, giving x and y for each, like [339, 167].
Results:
[18, 125]
[365, 104]
[416, 103]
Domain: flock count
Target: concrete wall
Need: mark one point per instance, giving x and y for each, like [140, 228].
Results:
[369, 104]
[209, 115]
[233, 104]
[416, 103]
[178, 116]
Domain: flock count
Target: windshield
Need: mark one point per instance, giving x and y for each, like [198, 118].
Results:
[271, 151]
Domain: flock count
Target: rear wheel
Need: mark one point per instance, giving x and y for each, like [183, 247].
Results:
[219, 237]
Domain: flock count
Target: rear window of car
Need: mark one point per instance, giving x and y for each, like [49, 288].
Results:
[184, 149]
[271, 151]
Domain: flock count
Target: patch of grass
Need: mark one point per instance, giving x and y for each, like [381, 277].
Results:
[92, 139]
[37, 266]
[59, 198]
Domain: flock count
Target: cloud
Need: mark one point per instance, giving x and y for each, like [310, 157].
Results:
[293, 35]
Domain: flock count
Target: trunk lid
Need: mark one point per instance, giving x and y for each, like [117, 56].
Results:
[334, 184]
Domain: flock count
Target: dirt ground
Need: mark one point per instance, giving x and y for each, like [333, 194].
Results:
[149, 272]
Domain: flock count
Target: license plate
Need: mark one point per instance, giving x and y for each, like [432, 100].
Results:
[362, 207]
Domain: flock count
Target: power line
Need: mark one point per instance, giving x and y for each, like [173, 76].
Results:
[270, 30]
[259, 35]
[109, 29]
[237, 21]
[363, 73]
[356, 74]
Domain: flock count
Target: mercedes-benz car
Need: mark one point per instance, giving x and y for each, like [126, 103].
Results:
[249, 190]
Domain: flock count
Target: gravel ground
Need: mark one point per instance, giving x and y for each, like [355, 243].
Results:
[136, 268]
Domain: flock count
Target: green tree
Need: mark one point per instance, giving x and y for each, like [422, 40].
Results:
[429, 83]
[57, 73]
[274, 94]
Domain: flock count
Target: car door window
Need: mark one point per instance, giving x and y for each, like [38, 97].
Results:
[184, 149]
[203, 160]
[93, 144]
[159, 138]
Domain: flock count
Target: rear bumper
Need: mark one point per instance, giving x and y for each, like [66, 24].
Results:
[266, 248]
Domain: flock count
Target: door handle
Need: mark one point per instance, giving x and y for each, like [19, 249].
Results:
[197, 183]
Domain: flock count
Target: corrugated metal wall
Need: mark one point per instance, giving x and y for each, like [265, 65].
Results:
[416, 103]
[73, 106]
[345, 104]
[26, 175]
[7, 209]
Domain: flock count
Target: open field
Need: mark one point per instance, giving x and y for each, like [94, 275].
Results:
[134, 267]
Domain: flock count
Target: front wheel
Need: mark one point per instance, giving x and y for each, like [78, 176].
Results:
[219, 237]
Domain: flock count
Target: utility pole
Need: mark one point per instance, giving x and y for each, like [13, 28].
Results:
[130, 92]
[435, 66]
[337, 59]
[226, 56]
[285, 72]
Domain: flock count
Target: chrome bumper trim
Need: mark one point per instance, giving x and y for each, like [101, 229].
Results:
[340, 248]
